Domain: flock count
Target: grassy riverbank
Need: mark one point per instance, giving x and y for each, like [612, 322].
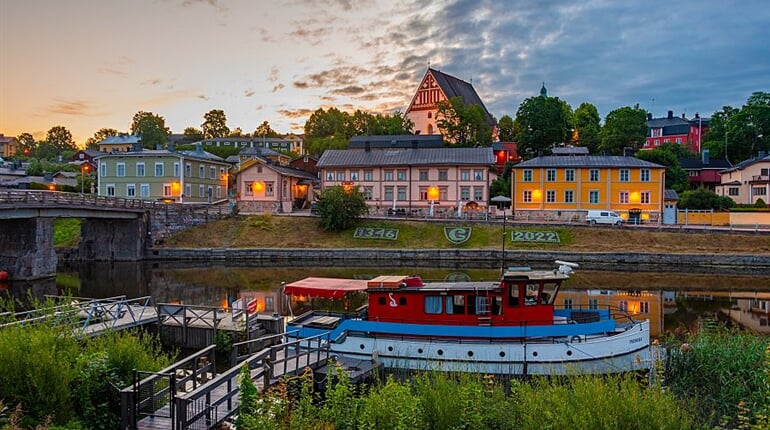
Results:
[265, 231]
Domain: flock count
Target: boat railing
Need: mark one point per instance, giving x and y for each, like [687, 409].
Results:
[245, 349]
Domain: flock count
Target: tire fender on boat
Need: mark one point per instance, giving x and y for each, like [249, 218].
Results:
[575, 339]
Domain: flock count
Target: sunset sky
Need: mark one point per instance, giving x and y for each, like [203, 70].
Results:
[90, 64]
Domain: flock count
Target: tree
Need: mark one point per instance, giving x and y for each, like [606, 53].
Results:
[27, 144]
[541, 123]
[339, 209]
[152, 129]
[461, 124]
[236, 132]
[264, 130]
[505, 129]
[704, 199]
[714, 138]
[668, 155]
[60, 138]
[192, 134]
[215, 124]
[587, 124]
[623, 127]
[748, 131]
[100, 135]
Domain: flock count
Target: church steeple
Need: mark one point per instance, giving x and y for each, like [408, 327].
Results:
[543, 91]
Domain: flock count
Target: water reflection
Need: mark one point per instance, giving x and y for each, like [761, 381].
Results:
[669, 299]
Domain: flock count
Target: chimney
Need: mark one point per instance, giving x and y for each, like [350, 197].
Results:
[627, 151]
[705, 157]
[670, 114]
[48, 176]
[683, 117]
[649, 116]
[198, 148]
[170, 146]
[697, 116]
[367, 146]
[136, 147]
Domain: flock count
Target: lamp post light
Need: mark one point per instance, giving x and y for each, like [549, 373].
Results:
[83, 173]
[433, 195]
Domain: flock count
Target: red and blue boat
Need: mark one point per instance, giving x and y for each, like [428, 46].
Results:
[507, 327]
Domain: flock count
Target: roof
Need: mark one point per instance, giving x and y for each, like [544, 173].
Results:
[407, 157]
[328, 288]
[746, 163]
[7, 139]
[121, 139]
[195, 154]
[697, 164]
[283, 170]
[260, 152]
[570, 150]
[397, 141]
[454, 87]
[586, 161]
[670, 195]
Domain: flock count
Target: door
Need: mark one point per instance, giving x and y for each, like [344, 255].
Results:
[669, 213]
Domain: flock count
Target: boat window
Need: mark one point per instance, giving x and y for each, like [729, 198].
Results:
[531, 291]
[549, 293]
[381, 301]
[432, 304]
[455, 304]
[402, 301]
[513, 299]
[478, 305]
[497, 305]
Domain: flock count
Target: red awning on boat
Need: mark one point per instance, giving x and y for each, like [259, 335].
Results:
[327, 288]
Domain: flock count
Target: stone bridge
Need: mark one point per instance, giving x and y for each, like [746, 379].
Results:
[112, 229]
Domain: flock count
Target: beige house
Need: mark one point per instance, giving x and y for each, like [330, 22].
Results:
[9, 146]
[266, 187]
[746, 182]
[413, 180]
[120, 143]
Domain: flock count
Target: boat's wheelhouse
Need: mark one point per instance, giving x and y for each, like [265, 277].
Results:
[521, 297]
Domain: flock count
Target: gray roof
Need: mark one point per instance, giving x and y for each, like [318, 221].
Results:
[454, 87]
[743, 164]
[697, 164]
[121, 139]
[259, 152]
[670, 195]
[397, 141]
[569, 150]
[586, 161]
[406, 157]
[195, 154]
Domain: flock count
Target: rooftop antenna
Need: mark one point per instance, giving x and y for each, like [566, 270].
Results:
[653, 106]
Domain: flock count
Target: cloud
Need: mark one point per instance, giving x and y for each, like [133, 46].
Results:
[154, 81]
[216, 4]
[248, 93]
[109, 71]
[296, 113]
[348, 90]
[69, 107]
[278, 87]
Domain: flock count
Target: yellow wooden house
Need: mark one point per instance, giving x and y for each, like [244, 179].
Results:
[564, 188]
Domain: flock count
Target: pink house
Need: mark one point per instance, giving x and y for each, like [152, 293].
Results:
[266, 187]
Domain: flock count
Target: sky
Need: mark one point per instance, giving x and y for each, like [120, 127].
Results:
[92, 64]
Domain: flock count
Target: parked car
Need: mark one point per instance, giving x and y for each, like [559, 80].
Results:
[603, 217]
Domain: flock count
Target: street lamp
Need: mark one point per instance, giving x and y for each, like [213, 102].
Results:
[83, 173]
[433, 195]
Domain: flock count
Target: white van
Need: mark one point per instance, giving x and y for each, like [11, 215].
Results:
[603, 217]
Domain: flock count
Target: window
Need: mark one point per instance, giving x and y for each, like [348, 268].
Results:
[764, 172]
[478, 193]
[593, 197]
[657, 132]
[569, 196]
[201, 171]
[166, 190]
[144, 190]
[388, 175]
[733, 191]
[465, 175]
[567, 303]
[443, 175]
[455, 305]
[201, 191]
[624, 175]
[368, 193]
[527, 196]
[569, 175]
[110, 190]
[188, 169]
[623, 305]
[248, 188]
[423, 175]
[758, 191]
[368, 175]
[401, 193]
[130, 190]
[121, 170]
[158, 169]
[212, 172]
[623, 198]
[402, 175]
[645, 198]
[644, 175]
[103, 169]
[140, 169]
[593, 303]
[530, 294]
[478, 175]
[678, 140]
[341, 175]
[644, 307]
[593, 175]
[354, 175]
[527, 175]
[388, 194]
[188, 190]
[177, 169]
[432, 304]
[550, 196]
[219, 191]
[269, 188]
[513, 299]
[465, 193]
[443, 193]
[550, 175]
[329, 176]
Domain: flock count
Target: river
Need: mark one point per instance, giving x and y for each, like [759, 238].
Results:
[671, 300]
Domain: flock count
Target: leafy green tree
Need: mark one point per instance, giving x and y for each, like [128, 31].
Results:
[60, 138]
[505, 129]
[541, 123]
[748, 131]
[27, 144]
[100, 135]
[339, 209]
[668, 155]
[587, 123]
[192, 134]
[215, 124]
[714, 137]
[152, 129]
[704, 199]
[264, 130]
[461, 124]
[623, 127]
[236, 132]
